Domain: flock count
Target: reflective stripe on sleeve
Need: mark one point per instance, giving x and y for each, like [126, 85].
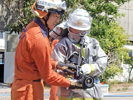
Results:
[92, 69]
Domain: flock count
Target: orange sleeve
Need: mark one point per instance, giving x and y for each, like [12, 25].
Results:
[54, 43]
[53, 63]
[41, 53]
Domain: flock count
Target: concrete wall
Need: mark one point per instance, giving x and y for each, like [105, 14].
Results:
[127, 21]
[10, 47]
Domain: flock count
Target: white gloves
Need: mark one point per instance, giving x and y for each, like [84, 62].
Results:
[85, 69]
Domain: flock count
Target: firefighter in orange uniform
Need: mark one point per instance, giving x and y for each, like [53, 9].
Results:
[33, 61]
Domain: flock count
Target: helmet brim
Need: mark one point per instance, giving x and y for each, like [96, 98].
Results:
[38, 13]
[79, 28]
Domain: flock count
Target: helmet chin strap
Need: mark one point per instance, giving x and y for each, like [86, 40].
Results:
[46, 24]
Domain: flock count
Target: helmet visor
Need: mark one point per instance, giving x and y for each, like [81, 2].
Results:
[75, 31]
[59, 8]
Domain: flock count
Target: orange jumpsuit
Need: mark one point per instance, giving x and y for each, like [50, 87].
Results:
[33, 63]
[53, 90]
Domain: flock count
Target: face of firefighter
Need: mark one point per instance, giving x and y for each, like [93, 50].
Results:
[75, 31]
[53, 20]
[75, 35]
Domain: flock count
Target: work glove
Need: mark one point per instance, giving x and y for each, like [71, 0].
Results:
[85, 69]
[69, 68]
[83, 83]
[77, 84]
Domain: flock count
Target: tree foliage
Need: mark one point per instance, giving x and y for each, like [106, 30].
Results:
[21, 12]
[105, 29]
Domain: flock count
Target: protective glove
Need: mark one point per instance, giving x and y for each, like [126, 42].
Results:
[85, 69]
[66, 67]
[83, 83]
[77, 84]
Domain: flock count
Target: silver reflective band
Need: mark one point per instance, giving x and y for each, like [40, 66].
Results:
[47, 5]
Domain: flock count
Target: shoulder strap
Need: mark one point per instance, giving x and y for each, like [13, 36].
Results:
[80, 56]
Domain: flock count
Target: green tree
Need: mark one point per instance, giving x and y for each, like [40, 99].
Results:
[21, 12]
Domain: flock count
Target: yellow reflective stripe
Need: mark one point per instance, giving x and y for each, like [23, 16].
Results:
[83, 53]
[88, 99]
[68, 77]
[66, 98]
[92, 69]
[63, 98]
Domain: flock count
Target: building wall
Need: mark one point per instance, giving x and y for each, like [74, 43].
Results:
[9, 56]
[2, 47]
[127, 21]
[2, 41]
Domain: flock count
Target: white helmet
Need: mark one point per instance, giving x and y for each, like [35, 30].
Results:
[80, 19]
[42, 7]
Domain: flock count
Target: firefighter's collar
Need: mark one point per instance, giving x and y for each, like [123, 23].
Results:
[43, 29]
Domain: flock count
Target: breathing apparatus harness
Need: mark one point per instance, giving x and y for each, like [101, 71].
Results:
[88, 81]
